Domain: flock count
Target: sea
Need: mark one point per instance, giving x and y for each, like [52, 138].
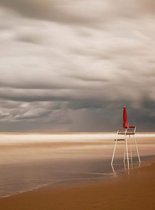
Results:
[32, 161]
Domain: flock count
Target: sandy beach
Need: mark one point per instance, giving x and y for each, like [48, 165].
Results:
[81, 175]
[127, 192]
[77, 105]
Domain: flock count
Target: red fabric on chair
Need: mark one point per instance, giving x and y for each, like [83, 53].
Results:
[132, 126]
[125, 118]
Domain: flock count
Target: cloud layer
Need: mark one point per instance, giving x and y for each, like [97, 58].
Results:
[71, 65]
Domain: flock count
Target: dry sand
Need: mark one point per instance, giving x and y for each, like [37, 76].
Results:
[127, 192]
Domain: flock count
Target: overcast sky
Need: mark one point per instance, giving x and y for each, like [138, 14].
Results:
[71, 65]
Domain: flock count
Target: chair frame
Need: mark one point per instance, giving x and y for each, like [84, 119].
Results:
[127, 133]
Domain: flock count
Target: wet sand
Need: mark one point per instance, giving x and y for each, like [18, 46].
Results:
[127, 192]
[124, 192]
[27, 166]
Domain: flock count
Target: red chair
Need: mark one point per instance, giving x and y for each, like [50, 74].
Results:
[125, 134]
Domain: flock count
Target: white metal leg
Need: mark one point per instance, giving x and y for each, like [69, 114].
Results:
[137, 150]
[131, 155]
[124, 166]
[129, 141]
[124, 154]
[113, 155]
[113, 170]
[127, 152]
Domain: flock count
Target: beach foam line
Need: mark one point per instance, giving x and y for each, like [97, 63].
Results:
[30, 138]
[71, 137]
[58, 182]
[9, 194]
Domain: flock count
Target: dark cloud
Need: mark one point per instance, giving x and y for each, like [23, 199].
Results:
[35, 8]
[54, 10]
[72, 65]
[80, 115]
[28, 37]
[83, 11]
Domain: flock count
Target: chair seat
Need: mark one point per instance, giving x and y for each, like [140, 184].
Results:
[130, 133]
[119, 139]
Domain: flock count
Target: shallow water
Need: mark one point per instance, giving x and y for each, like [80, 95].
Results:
[27, 167]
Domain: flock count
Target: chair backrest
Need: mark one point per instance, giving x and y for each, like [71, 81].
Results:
[127, 131]
[122, 131]
[131, 130]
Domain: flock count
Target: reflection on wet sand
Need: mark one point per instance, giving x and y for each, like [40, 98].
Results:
[24, 167]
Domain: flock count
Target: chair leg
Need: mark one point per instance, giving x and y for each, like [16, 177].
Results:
[113, 155]
[137, 150]
[124, 155]
[127, 153]
[131, 154]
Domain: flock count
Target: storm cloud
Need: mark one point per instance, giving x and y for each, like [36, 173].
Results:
[71, 65]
